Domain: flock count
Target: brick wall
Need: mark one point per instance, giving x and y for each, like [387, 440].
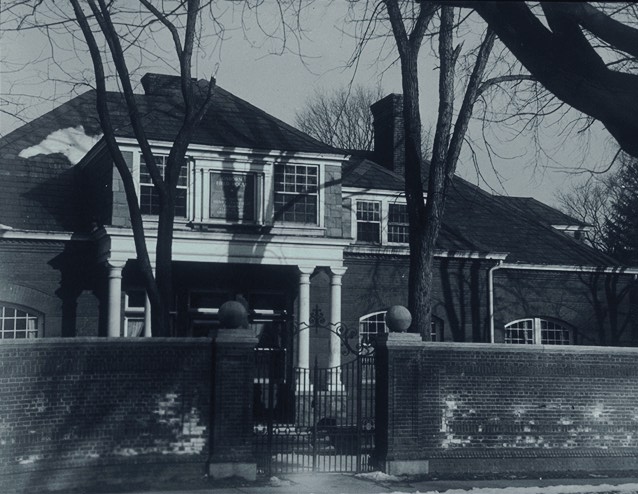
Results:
[56, 280]
[85, 405]
[481, 407]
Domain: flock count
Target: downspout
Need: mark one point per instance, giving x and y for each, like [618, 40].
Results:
[490, 294]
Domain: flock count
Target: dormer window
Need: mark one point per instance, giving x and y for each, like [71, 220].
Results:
[149, 198]
[297, 194]
[378, 218]
[398, 224]
[369, 221]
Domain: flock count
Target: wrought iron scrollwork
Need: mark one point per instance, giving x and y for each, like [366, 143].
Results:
[351, 344]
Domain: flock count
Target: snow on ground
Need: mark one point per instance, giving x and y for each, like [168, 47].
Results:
[551, 489]
[277, 482]
[377, 477]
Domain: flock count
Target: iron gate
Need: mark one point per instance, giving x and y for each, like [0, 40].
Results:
[319, 419]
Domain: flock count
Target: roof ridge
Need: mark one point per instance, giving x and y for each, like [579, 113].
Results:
[230, 96]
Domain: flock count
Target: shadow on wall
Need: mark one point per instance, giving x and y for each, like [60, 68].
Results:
[82, 289]
[92, 405]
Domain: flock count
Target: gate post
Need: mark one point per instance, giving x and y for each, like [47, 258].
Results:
[232, 442]
[398, 409]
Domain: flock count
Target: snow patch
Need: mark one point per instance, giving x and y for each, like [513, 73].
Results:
[27, 460]
[72, 142]
[550, 489]
[377, 477]
[277, 482]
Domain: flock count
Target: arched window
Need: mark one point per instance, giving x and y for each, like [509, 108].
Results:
[373, 324]
[536, 330]
[17, 323]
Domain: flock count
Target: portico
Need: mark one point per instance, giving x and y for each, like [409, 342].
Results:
[305, 255]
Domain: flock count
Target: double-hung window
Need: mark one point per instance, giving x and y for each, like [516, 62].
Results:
[398, 223]
[297, 194]
[369, 221]
[537, 331]
[149, 198]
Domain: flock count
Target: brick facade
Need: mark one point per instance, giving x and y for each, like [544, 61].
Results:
[57, 280]
[499, 408]
[87, 405]
[583, 301]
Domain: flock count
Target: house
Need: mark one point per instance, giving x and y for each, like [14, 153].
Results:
[295, 229]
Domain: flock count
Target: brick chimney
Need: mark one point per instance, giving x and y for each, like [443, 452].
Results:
[389, 134]
[167, 85]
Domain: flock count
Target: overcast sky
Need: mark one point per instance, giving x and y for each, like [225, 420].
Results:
[280, 84]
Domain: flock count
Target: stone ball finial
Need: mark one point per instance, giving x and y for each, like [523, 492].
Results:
[233, 315]
[398, 319]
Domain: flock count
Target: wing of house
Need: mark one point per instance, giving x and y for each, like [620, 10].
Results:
[295, 229]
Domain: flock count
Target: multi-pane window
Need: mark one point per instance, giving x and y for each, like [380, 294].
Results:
[149, 198]
[297, 194]
[398, 223]
[17, 324]
[537, 330]
[371, 325]
[369, 221]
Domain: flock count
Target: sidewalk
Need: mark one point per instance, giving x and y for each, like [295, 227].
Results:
[371, 484]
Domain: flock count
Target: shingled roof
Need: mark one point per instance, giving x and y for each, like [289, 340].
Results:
[39, 189]
[41, 192]
[475, 220]
[541, 212]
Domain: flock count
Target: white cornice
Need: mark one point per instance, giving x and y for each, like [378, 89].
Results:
[116, 245]
[50, 236]
[573, 228]
[239, 152]
[392, 250]
[571, 268]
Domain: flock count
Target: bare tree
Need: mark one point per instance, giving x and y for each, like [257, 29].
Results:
[590, 202]
[119, 36]
[342, 117]
[409, 23]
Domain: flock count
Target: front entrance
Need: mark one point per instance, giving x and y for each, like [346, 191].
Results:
[319, 419]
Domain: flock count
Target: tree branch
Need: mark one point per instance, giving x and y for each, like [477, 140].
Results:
[620, 35]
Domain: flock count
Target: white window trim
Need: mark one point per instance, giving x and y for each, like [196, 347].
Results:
[30, 314]
[385, 198]
[240, 160]
[438, 337]
[537, 331]
[379, 222]
[132, 312]
[136, 172]
[320, 197]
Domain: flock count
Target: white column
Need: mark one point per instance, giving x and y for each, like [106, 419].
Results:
[303, 335]
[334, 360]
[115, 299]
[147, 317]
